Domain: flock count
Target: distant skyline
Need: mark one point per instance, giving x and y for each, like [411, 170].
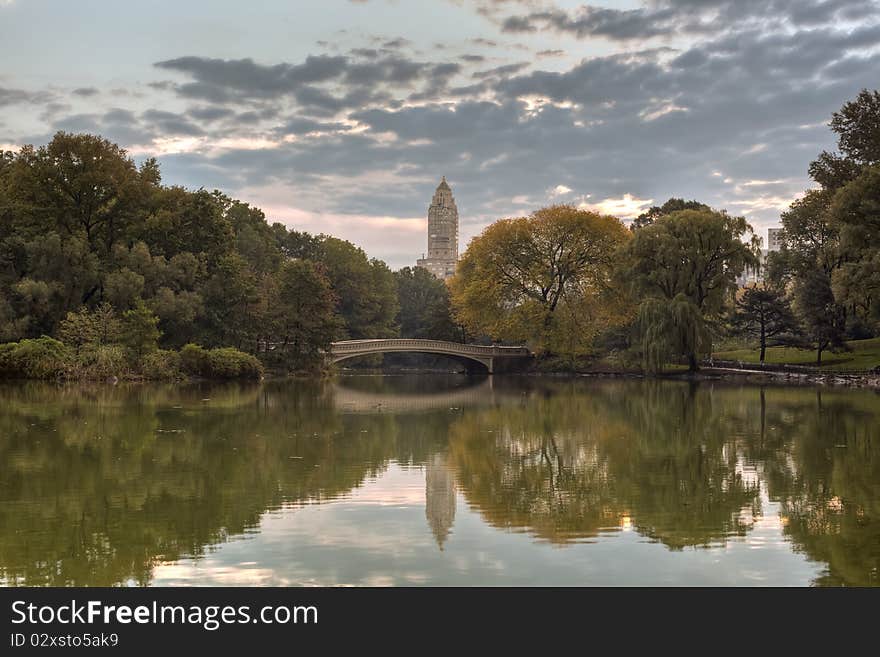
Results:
[340, 116]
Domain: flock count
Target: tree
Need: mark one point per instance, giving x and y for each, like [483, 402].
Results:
[822, 318]
[365, 290]
[140, 331]
[857, 125]
[672, 205]
[83, 184]
[690, 256]
[519, 273]
[425, 310]
[304, 318]
[87, 328]
[764, 314]
[856, 210]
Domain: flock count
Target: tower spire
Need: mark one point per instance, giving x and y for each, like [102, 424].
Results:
[442, 233]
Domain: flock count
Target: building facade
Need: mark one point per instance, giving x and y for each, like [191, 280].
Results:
[442, 253]
[755, 275]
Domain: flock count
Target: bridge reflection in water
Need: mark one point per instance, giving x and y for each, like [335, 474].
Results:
[493, 358]
[349, 399]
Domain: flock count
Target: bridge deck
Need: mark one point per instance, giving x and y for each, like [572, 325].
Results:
[414, 343]
[485, 354]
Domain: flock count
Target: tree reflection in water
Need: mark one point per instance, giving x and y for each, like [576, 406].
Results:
[101, 483]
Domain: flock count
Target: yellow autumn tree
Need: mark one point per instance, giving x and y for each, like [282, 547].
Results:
[545, 279]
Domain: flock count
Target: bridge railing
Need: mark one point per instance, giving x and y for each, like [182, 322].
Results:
[417, 344]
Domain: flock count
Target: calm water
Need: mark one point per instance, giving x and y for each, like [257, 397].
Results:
[439, 480]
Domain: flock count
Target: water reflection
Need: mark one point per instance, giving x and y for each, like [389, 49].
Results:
[113, 485]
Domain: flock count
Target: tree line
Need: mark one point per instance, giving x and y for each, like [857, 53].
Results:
[575, 284]
[104, 269]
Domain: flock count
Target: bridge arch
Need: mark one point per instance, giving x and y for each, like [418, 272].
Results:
[487, 356]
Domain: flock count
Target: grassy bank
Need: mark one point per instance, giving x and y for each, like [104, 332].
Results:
[863, 355]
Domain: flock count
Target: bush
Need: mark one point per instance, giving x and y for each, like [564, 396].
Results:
[41, 358]
[99, 362]
[194, 360]
[161, 365]
[227, 363]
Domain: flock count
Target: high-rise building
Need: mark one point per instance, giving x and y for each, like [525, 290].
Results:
[442, 233]
[755, 275]
[774, 239]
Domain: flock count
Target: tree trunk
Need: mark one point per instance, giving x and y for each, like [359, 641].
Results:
[763, 344]
[819, 357]
[693, 366]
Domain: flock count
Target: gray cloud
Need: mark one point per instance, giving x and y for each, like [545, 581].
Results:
[20, 96]
[368, 132]
[665, 18]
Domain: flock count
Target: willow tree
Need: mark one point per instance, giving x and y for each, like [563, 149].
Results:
[544, 279]
[684, 266]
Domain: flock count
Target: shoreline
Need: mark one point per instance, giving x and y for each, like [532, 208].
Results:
[777, 376]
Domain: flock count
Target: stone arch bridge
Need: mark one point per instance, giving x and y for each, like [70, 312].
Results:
[493, 358]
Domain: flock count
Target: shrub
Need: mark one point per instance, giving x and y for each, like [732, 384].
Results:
[99, 362]
[226, 363]
[194, 360]
[161, 365]
[231, 363]
[41, 358]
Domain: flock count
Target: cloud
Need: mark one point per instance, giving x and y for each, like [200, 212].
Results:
[20, 96]
[625, 207]
[352, 140]
[669, 18]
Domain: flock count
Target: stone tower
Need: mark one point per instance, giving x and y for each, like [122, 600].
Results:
[442, 233]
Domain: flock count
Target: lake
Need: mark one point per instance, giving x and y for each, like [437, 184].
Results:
[439, 480]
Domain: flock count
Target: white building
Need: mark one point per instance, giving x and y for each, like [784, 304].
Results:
[754, 275]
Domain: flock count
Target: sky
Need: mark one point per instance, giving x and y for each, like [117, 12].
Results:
[340, 116]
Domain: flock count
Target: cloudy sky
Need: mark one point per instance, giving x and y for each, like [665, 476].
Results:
[340, 116]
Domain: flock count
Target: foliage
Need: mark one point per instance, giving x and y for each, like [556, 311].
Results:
[672, 205]
[684, 267]
[365, 292]
[40, 358]
[87, 327]
[425, 310]
[671, 329]
[97, 362]
[161, 365]
[302, 317]
[545, 279]
[84, 228]
[140, 333]
[226, 363]
[856, 209]
[857, 125]
[765, 315]
[822, 318]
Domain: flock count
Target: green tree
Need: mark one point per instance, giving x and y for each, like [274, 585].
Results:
[856, 210]
[304, 318]
[140, 331]
[672, 205]
[425, 310]
[765, 315]
[84, 185]
[857, 125]
[822, 318]
[365, 290]
[687, 257]
[85, 327]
